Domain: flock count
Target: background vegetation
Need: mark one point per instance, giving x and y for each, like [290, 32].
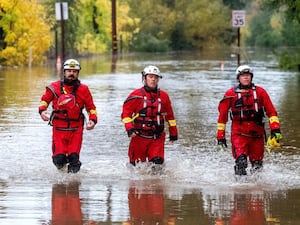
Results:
[30, 33]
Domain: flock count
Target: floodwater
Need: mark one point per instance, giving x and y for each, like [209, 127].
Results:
[197, 185]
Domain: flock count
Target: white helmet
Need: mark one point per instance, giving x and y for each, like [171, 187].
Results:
[151, 70]
[72, 64]
[243, 69]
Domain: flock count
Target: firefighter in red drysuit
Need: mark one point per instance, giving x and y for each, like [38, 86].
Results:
[69, 97]
[144, 114]
[247, 104]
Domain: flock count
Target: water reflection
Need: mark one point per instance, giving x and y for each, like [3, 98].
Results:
[146, 204]
[66, 204]
[198, 186]
[237, 209]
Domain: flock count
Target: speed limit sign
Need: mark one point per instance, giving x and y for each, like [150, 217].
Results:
[238, 18]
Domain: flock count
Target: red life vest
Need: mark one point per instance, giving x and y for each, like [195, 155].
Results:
[150, 121]
[247, 110]
[65, 108]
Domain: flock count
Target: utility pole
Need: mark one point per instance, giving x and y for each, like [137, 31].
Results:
[238, 20]
[62, 32]
[238, 45]
[61, 11]
[114, 28]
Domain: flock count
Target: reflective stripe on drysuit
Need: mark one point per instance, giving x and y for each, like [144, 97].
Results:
[248, 107]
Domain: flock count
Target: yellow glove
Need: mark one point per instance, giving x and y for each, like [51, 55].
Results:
[273, 140]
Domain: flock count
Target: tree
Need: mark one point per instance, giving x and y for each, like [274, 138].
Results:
[25, 32]
[205, 23]
[179, 24]
[290, 58]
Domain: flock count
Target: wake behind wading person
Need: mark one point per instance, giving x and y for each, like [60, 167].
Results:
[248, 104]
[68, 97]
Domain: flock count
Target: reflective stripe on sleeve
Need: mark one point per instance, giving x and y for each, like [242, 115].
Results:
[93, 112]
[43, 103]
[274, 119]
[129, 120]
[221, 126]
[172, 123]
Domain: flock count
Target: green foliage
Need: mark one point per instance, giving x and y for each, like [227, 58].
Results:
[236, 4]
[148, 25]
[290, 34]
[290, 60]
[186, 24]
[150, 43]
[204, 27]
[291, 8]
[262, 33]
[154, 21]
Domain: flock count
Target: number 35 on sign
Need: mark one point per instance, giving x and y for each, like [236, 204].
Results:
[238, 18]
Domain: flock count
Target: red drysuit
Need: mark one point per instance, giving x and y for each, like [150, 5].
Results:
[67, 118]
[145, 112]
[248, 107]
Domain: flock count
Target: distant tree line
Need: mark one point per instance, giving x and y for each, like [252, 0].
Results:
[30, 33]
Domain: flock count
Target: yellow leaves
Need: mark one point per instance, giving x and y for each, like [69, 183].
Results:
[89, 44]
[8, 53]
[25, 31]
[276, 23]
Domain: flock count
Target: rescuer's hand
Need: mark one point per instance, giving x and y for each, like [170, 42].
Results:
[222, 144]
[90, 125]
[45, 115]
[132, 133]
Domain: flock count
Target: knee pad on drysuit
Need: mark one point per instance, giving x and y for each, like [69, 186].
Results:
[74, 163]
[241, 165]
[59, 160]
[157, 160]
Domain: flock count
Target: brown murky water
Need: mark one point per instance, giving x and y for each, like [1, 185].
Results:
[197, 185]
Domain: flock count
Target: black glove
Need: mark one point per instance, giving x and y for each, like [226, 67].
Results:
[222, 144]
[173, 138]
[277, 134]
[131, 131]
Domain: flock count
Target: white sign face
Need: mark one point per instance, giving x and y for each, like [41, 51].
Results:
[238, 18]
[64, 6]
